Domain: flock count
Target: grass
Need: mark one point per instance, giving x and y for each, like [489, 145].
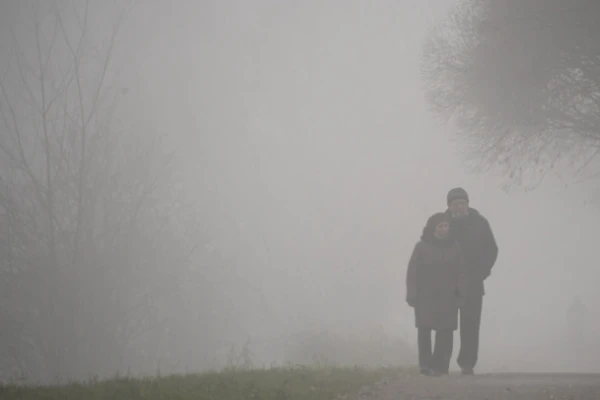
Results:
[292, 383]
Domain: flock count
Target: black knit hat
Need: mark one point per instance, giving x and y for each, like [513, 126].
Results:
[457, 193]
[432, 223]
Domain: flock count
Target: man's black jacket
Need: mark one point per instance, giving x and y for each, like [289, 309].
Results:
[479, 247]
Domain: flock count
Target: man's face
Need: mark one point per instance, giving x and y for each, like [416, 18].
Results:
[459, 208]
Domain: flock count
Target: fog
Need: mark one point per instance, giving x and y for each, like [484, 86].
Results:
[308, 164]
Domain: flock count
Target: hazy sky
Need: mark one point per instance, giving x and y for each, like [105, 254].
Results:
[306, 129]
[313, 114]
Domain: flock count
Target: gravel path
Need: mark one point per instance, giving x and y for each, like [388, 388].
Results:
[487, 387]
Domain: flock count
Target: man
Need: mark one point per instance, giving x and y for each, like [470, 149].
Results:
[473, 232]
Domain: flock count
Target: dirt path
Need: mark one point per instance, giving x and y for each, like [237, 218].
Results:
[487, 387]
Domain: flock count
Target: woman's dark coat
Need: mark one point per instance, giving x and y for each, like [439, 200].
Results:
[436, 282]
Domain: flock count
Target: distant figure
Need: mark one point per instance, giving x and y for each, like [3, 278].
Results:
[576, 316]
[472, 231]
[436, 288]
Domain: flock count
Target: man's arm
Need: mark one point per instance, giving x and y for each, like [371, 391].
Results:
[489, 252]
[462, 281]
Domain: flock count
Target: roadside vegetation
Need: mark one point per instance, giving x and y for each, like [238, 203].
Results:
[316, 382]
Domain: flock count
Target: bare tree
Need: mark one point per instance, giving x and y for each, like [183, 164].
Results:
[521, 81]
[94, 214]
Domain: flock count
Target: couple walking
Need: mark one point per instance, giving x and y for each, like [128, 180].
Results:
[445, 274]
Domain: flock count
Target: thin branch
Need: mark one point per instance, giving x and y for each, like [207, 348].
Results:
[49, 187]
[76, 58]
[25, 165]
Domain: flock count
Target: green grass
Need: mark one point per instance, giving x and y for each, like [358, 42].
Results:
[293, 383]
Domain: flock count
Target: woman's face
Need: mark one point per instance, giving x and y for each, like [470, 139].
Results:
[442, 229]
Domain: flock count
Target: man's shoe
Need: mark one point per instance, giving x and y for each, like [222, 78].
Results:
[468, 371]
[425, 371]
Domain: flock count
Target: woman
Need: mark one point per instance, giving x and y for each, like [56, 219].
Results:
[436, 288]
